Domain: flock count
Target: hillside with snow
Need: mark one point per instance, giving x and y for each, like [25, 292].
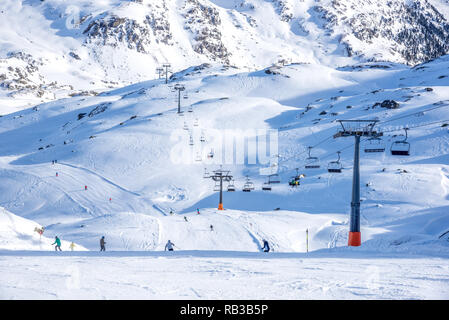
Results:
[93, 145]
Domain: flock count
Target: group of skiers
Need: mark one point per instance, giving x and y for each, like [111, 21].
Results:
[168, 247]
[72, 246]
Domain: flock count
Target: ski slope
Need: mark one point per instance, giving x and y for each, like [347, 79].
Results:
[221, 275]
[129, 147]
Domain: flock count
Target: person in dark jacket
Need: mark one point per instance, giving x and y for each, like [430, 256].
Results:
[102, 243]
[169, 246]
[266, 247]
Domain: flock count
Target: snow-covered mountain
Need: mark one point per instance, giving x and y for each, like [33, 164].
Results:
[98, 45]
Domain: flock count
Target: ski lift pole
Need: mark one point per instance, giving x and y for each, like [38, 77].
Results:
[220, 203]
[364, 128]
[354, 225]
[307, 240]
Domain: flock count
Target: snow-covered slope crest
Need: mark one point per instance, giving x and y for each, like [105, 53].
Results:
[17, 233]
[402, 31]
[68, 48]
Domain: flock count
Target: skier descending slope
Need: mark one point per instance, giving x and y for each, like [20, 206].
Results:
[266, 247]
[58, 244]
[169, 246]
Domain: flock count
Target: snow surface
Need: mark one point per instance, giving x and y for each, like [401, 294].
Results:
[220, 275]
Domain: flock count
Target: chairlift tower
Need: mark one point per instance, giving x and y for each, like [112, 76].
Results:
[221, 175]
[166, 66]
[357, 129]
[180, 88]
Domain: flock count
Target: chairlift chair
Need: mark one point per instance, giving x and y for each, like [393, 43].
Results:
[191, 140]
[401, 147]
[231, 186]
[196, 122]
[296, 180]
[198, 157]
[185, 126]
[206, 174]
[217, 186]
[248, 186]
[273, 178]
[335, 166]
[202, 139]
[267, 186]
[312, 162]
[190, 109]
[374, 144]
[211, 153]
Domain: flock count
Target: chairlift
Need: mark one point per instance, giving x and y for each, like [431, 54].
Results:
[335, 166]
[186, 127]
[266, 186]
[196, 122]
[202, 139]
[198, 157]
[401, 147]
[186, 96]
[206, 174]
[312, 162]
[274, 178]
[374, 144]
[231, 186]
[211, 154]
[248, 186]
[217, 186]
[190, 109]
[296, 179]
[191, 140]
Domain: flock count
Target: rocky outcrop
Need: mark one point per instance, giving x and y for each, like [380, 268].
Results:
[112, 30]
[402, 31]
[204, 22]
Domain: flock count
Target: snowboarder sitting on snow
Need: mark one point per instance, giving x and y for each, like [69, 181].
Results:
[266, 247]
[102, 243]
[169, 246]
[58, 244]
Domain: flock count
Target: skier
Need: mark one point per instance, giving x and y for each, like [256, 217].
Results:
[58, 244]
[185, 219]
[171, 212]
[85, 187]
[56, 174]
[198, 210]
[102, 243]
[169, 246]
[266, 247]
[72, 246]
[211, 228]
